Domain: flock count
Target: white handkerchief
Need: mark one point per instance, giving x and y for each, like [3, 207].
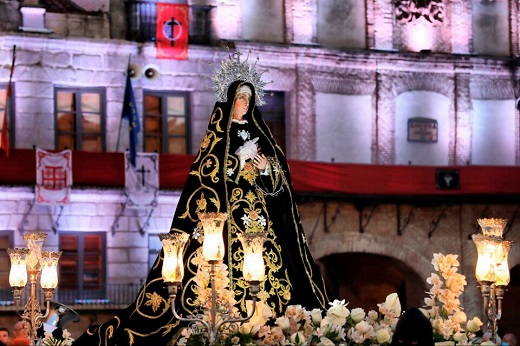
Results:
[247, 151]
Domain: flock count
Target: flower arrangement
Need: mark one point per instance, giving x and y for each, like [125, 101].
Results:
[298, 327]
[449, 322]
[338, 325]
[58, 337]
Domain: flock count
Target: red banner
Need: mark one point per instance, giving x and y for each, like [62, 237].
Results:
[172, 31]
[4, 135]
[307, 177]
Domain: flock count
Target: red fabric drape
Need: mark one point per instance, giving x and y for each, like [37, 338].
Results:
[107, 170]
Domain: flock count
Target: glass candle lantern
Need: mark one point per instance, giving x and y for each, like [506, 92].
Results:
[173, 246]
[49, 274]
[253, 245]
[18, 273]
[34, 243]
[213, 248]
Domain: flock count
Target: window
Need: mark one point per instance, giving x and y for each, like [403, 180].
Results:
[6, 241]
[154, 249]
[80, 120]
[166, 122]
[82, 263]
[273, 113]
[11, 118]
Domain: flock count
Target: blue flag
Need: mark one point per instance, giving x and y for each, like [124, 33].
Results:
[130, 114]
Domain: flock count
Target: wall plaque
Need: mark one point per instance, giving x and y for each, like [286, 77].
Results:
[422, 130]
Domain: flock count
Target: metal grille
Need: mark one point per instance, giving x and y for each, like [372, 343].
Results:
[142, 24]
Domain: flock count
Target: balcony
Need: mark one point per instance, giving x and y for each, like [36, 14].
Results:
[110, 297]
[142, 22]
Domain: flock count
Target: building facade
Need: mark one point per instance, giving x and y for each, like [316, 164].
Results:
[379, 83]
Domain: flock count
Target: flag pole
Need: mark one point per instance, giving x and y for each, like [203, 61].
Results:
[4, 142]
[121, 118]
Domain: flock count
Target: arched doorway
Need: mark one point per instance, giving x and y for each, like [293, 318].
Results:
[364, 280]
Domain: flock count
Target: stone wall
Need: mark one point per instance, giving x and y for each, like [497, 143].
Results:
[92, 210]
[409, 233]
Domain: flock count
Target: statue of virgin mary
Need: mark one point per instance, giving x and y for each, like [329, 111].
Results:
[238, 170]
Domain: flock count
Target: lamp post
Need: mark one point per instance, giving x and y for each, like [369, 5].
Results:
[34, 262]
[492, 270]
[213, 250]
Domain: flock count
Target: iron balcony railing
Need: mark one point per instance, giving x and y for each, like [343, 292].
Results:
[142, 22]
[110, 297]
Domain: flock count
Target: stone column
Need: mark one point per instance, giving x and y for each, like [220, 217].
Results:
[383, 14]
[384, 142]
[228, 19]
[461, 26]
[514, 27]
[370, 20]
[304, 145]
[300, 21]
[460, 132]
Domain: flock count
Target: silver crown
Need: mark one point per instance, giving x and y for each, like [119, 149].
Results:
[232, 69]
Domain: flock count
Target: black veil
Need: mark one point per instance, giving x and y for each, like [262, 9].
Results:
[219, 181]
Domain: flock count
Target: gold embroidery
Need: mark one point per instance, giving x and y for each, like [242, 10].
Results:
[154, 300]
[205, 142]
[250, 196]
[249, 172]
[249, 213]
[201, 203]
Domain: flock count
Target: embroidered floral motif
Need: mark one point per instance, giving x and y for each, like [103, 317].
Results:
[249, 173]
[244, 134]
[205, 142]
[261, 221]
[230, 172]
[196, 234]
[263, 295]
[253, 215]
[154, 300]
[246, 220]
[253, 221]
[201, 202]
[250, 196]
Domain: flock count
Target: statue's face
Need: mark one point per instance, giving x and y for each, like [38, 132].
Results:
[241, 105]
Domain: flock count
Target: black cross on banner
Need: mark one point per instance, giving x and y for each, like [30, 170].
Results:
[142, 171]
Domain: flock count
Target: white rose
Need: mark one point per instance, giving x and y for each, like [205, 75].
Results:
[382, 336]
[316, 316]
[325, 342]
[326, 323]
[262, 312]
[357, 314]
[283, 323]
[460, 317]
[249, 328]
[363, 327]
[372, 315]
[474, 325]
[392, 303]
[437, 325]
[338, 314]
[460, 337]
[298, 339]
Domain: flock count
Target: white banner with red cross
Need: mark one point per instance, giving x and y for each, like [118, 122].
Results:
[53, 177]
[142, 182]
